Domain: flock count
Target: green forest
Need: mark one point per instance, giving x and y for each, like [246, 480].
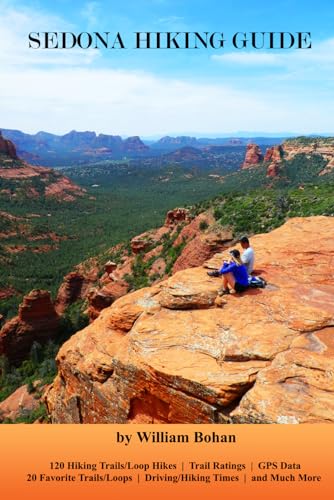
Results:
[50, 237]
[122, 201]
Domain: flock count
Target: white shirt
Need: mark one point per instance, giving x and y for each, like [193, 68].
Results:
[248, 259]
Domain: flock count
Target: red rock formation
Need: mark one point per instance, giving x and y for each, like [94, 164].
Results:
[7, 148]
[202, 248]
[37, 321]
[56, 185]
[134, 144]
[139, 244]
[168, 353]
[158, 267]
[5, 293]
[70, 291]
[273, 169]
[110, 267]
[192, 229]
[274, 154]
[101, 298]
[63, 189]
[253, 156]
[177, 216]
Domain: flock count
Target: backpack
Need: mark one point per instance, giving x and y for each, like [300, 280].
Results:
[256, 282]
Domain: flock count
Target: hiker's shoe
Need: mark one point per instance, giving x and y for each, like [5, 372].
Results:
[223, 291]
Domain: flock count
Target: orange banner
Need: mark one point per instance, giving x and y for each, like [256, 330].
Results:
[170, 461]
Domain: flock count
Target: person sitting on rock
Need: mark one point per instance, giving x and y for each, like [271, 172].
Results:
[234, 274]
[247, 256]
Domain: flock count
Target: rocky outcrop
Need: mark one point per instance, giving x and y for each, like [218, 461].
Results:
[311, 146]
[140, 244]
[202, 239]
[194, 240]
[176, 353]
[70, 291]
[37, 321]
[274, 154]
[100, 298]
[253, 156]
[7, 148]
[298, 385]
[13, 169]
[273, 169]
[63, 189]
[177, 216]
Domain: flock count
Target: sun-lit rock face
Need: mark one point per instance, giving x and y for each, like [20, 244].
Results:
[177, 353]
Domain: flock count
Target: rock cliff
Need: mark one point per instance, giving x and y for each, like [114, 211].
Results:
[182, 242]
[178, 353]
[7, 148]
[274, 155]
[37, 321]
[29, 181]
[253, 156]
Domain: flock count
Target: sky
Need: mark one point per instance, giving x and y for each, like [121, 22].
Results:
[203, 92]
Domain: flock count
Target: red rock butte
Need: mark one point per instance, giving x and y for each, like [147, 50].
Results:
[37, 321]
[178, 353]
[253, 156]
[7, 148]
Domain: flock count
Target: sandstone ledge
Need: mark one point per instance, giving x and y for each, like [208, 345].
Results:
[173, 353]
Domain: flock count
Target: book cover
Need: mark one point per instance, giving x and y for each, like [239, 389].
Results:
[166, 253]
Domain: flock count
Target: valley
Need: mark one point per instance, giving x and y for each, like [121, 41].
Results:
[90, 233]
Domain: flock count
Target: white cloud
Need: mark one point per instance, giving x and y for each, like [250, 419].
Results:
[131, 103]
[59, 91]
[15, 26]
[318, 60]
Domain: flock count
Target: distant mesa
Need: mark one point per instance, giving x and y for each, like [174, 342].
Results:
[134, 144]
[7, 148]
[177, 141]
[52, 185]
[74, 146]
[186, 153]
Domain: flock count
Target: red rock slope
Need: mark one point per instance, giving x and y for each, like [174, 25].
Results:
[177, 353]
[22, 177]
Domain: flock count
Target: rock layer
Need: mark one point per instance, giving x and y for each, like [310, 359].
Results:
[174, 353]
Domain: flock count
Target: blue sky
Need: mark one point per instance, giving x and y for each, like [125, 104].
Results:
[158, 92]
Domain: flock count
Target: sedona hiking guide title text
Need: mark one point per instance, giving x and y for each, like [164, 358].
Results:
[171, 40]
